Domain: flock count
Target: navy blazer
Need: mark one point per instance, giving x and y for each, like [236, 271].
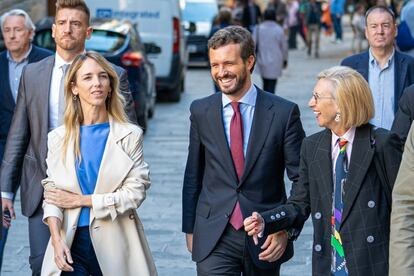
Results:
[365, 228]
[404, 71]
[211, 187]
[7, 103]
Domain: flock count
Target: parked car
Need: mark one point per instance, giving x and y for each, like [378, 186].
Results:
[160, 27]
[120, 43]
[198, 16]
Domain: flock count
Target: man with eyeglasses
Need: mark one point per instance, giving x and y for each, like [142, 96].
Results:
[387, 70]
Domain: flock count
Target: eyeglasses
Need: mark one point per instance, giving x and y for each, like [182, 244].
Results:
[316, 97]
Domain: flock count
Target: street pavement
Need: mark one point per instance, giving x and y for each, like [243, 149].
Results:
[165, 149]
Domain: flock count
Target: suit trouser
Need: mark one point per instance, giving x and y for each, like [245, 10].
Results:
[38, 239]
[230, 257]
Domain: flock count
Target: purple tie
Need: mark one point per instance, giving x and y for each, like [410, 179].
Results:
[236, 148]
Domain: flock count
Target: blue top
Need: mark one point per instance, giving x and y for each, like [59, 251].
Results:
[338, 7]
[382, 84]
[247, 105]
[92, 145]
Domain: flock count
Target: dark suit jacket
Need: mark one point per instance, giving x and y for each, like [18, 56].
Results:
[7, 103]
[211, 187]
[26, 145]
[365, 224]
[405, 114]
[404, 71]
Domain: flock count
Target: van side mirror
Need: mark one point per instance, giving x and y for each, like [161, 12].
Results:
[152, 48]
[192, 28]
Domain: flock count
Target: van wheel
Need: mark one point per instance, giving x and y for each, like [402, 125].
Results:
[175, 93]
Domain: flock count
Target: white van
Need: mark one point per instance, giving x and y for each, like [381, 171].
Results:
[200, 15]
[159, 25]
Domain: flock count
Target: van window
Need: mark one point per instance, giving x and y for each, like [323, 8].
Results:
[105, 41]
[199, 12]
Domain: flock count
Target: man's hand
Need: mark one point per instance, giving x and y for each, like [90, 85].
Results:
[274, 246]
[8, 211]
[63, 199]
[189, 240]
[254, 226]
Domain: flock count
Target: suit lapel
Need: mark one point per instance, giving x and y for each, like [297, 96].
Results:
[115, 164]
[361, 157]
[324, 177]
[262, 121]
[214, 114]
[41, 94]
[363, 65]
[400, 69]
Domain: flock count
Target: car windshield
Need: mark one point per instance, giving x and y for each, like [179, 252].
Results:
[199, 12]
[103, 41]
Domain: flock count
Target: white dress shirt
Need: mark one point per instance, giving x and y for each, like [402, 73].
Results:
[349, 136]
[54, 91]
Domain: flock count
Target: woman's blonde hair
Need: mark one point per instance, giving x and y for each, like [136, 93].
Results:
[352, 94]
[73, 117]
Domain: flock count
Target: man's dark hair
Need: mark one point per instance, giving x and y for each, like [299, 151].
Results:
[234, 35]
[73, 4]
[270, 14]
[380, 9]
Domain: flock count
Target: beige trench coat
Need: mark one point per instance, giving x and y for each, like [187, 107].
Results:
[116, 231]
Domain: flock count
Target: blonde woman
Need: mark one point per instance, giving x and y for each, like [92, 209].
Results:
[97, 177]
[346, 176]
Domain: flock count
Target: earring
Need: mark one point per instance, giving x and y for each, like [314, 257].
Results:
[337, 117]
[75, 97]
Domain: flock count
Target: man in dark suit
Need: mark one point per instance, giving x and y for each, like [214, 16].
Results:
[241, 142]
[18, 31]
[387, 70]
[39, 109]
[405, 113]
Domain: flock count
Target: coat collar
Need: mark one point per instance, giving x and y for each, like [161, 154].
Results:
[114, 167]
[362, 154]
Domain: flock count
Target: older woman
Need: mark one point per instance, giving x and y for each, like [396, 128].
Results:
[346, 176]
[97, 177]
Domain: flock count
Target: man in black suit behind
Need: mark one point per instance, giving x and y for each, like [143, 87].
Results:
[241, 142]
[18, 31]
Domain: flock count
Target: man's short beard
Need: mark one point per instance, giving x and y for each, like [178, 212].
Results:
[239, 85]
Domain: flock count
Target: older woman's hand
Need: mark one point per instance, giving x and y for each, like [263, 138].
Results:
[65, 199]
[254, 226]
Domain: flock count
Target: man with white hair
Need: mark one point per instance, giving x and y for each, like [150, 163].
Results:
[18, 31]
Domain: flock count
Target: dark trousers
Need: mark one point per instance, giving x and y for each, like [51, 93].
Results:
[337, 26]
[83, 255]
[39, 236]
[293, 30]
[230, 257]
[4, 233]
[269, 85]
